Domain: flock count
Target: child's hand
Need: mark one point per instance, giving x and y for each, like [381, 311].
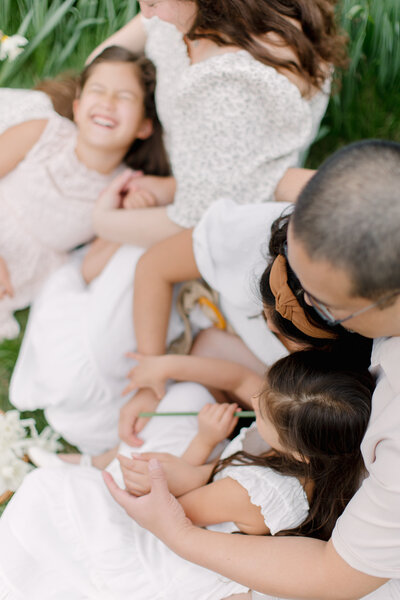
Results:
[148, 373]
[113, 195]
[162, 189]
[139, 198]
[6, 288]
[216, 422]
[182, 477]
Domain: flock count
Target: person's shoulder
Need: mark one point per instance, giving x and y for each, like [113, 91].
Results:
[241, 65]
[158, 27]
[58, 128]
[57, 135]
[386, 358]
[238, 75]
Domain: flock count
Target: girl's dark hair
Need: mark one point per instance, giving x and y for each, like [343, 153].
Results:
[307, 27]
[147, 155]
[352, 343]
[320, 407]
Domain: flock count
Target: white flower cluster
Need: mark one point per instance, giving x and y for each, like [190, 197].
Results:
[14, 442]
[11, 45]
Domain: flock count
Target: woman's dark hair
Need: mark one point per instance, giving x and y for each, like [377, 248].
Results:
[307, 27]
[320, 406]
[146, 155]
[352, 343]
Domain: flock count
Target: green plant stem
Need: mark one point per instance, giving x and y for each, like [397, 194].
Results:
[240, 414]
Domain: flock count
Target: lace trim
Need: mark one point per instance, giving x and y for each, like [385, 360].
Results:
[65, 167]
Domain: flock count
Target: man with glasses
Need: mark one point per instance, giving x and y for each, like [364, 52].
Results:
[344, 246]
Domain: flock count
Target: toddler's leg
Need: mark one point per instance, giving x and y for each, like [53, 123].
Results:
[215, 343]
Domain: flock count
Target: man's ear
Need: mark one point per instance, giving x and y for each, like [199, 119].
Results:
[145, 130]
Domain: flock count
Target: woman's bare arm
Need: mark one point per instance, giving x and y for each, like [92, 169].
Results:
[131, 36]
[291, 184]
[142, 227]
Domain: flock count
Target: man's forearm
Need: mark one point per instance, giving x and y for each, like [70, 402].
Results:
[287, 567]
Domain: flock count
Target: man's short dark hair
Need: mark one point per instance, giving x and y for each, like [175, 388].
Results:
[349, 215]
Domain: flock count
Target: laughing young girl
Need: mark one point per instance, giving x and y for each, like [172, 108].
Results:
[52, 171]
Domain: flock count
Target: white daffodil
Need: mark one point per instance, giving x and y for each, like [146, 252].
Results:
[11, 45]
[16, 436]
[12, 471]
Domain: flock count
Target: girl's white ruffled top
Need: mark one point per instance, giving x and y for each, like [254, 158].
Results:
[46, 207]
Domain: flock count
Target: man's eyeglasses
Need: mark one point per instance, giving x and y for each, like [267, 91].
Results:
[325, 314]
[323, 311]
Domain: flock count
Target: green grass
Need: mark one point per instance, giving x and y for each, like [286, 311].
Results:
[61, 34]
[368, 103]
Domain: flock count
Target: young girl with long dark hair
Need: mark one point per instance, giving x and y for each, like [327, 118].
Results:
[293, 476]
[52, 171]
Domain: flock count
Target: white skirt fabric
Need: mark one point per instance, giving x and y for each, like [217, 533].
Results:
[63, 537]
[72, 361]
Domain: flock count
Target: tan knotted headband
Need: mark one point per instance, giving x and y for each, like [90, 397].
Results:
[286, 302]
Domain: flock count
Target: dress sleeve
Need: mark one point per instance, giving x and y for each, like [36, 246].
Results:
[237, 131]
[281, 498]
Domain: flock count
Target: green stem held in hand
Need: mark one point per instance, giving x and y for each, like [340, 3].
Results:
[243, 413]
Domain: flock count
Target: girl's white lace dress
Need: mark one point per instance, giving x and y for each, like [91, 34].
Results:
[46, 207]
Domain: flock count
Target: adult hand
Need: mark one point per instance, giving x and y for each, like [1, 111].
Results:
[158, 512]
[130, 424]
[6, 288]
[148, 372]
[113, 195]
[181, 476]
